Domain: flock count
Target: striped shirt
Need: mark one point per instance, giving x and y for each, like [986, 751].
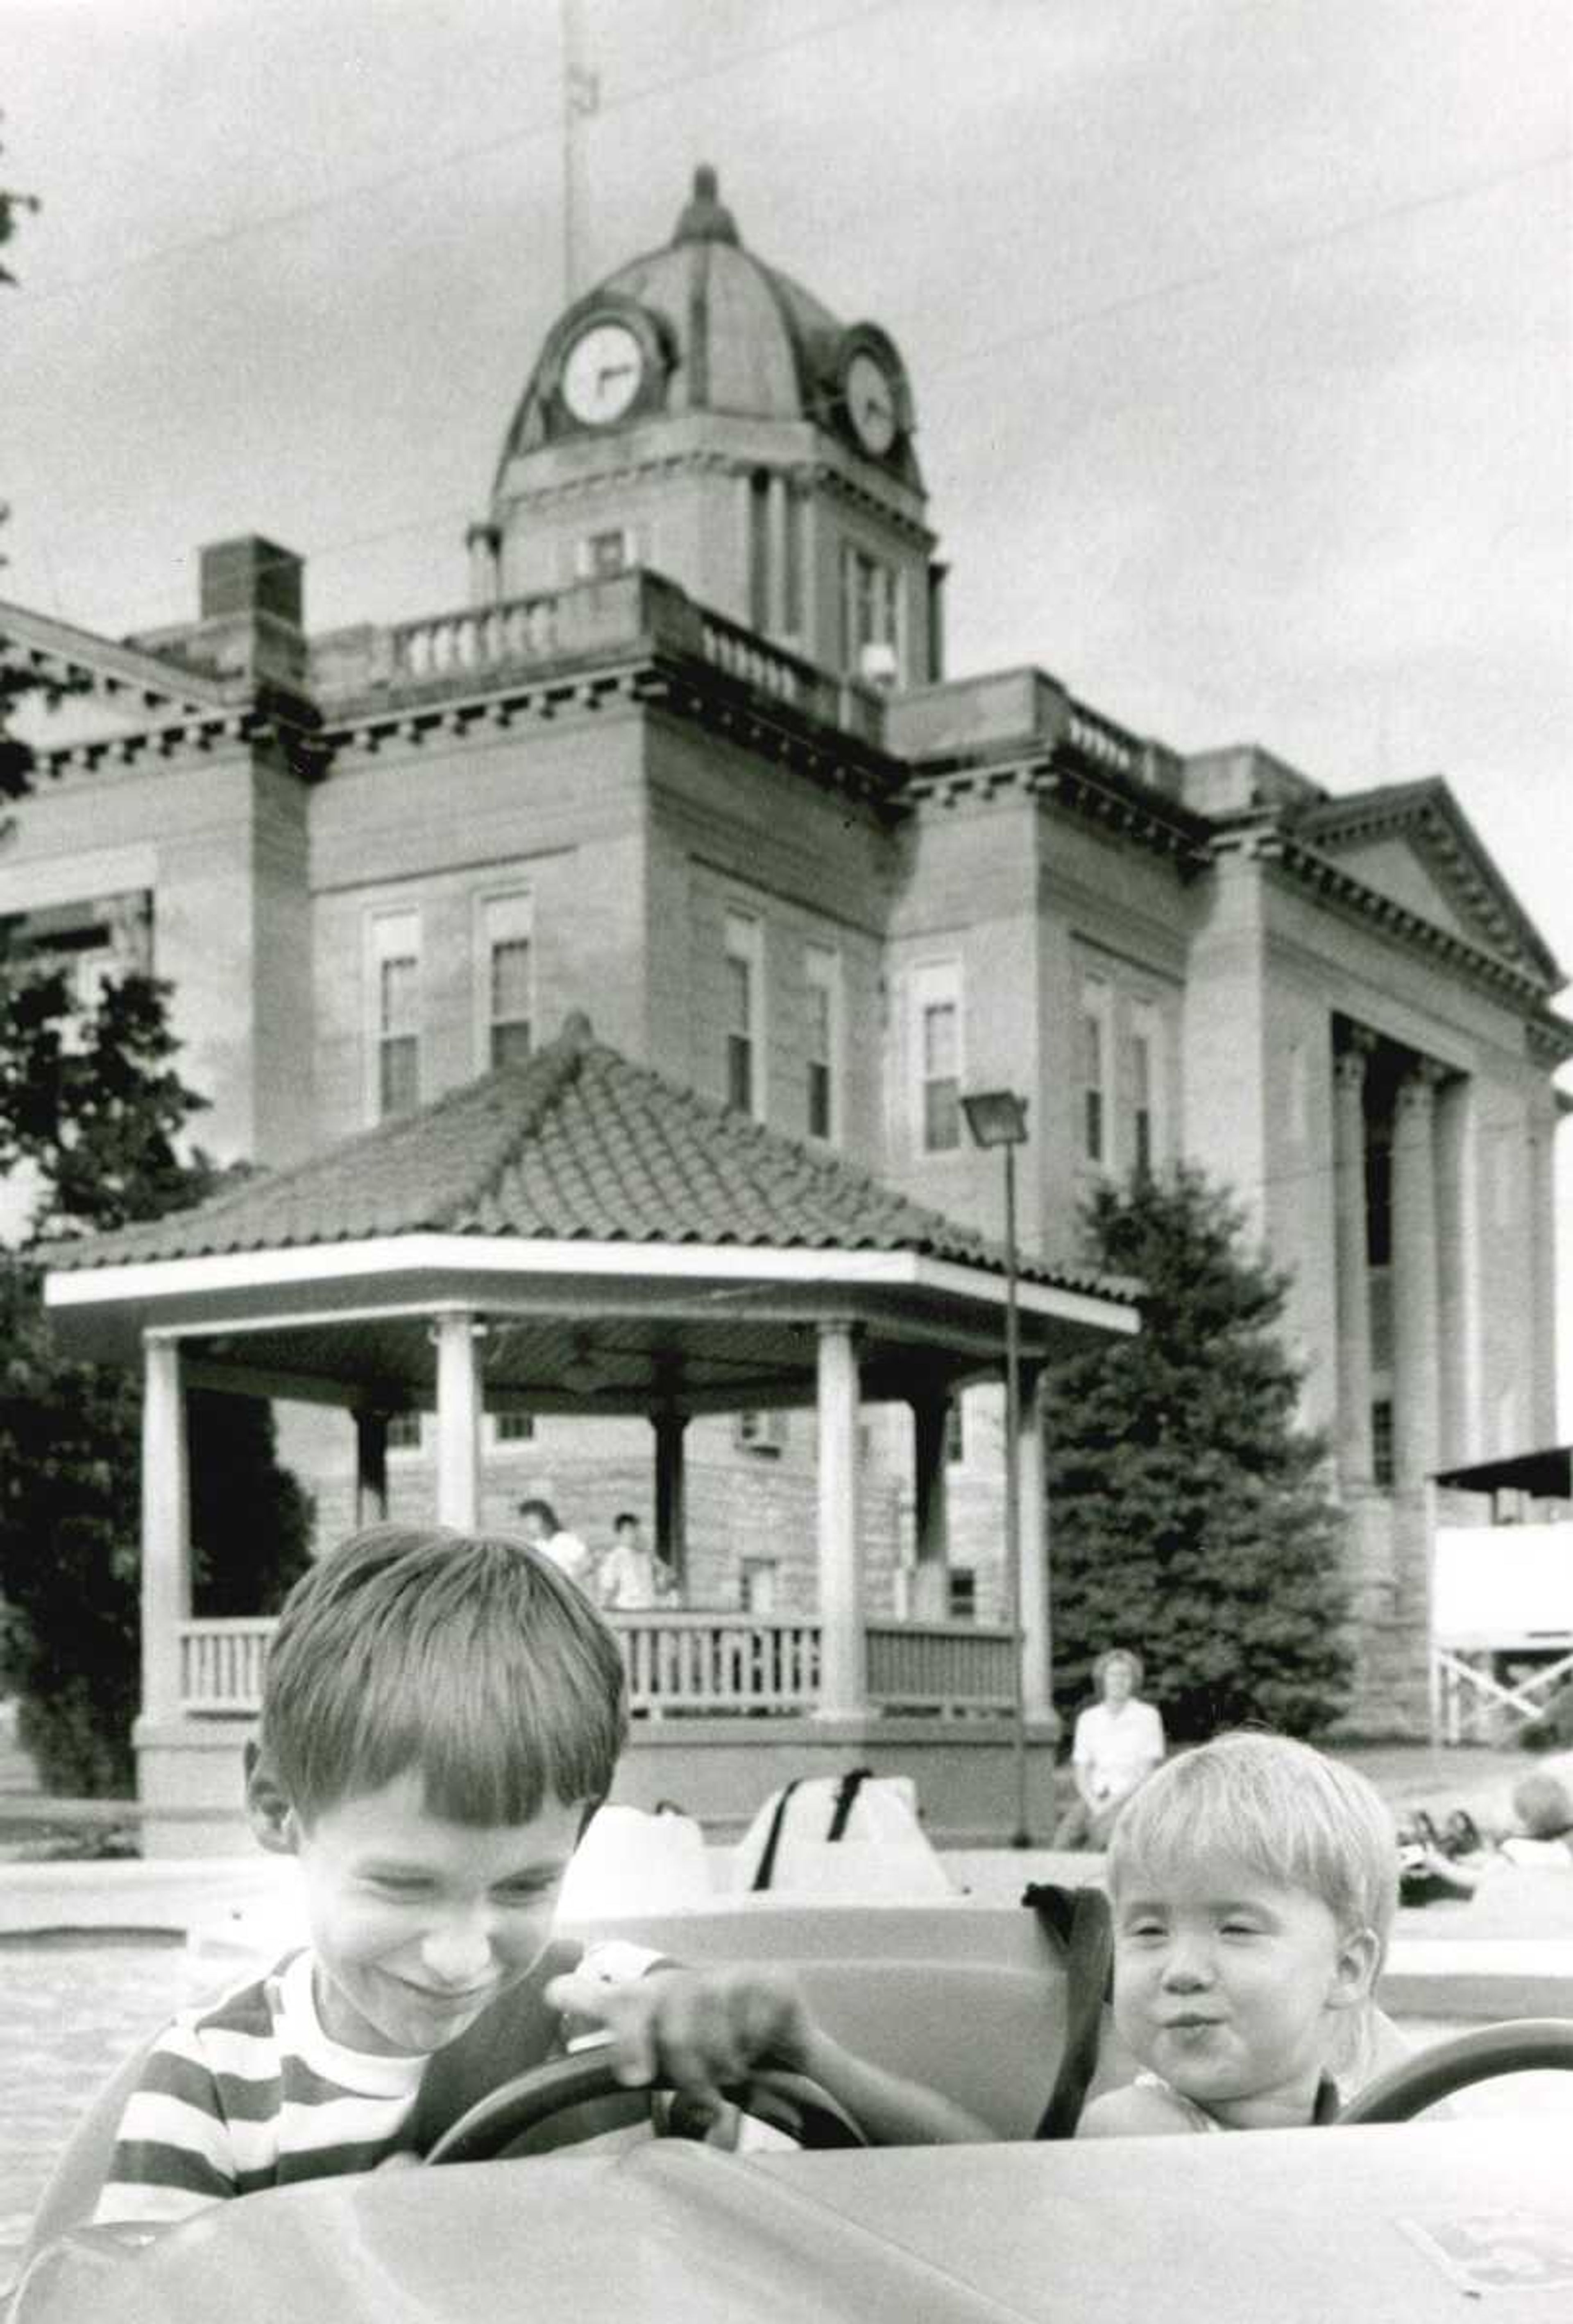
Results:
[250, 2092]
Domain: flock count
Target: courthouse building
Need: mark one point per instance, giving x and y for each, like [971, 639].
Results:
[689, 763]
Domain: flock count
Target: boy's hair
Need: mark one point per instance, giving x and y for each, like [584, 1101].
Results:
[624, 1517]
[467, 1656]
[1127, 1655]
[1299, 1819]
[543, 1510]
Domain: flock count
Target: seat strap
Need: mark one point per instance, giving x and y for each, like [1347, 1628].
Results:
[846, 1793]
[1081, 1922]
[765, 1870]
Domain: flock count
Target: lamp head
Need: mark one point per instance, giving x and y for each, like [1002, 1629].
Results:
[995, 1117]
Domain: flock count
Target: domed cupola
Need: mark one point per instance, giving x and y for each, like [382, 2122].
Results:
[697, 374]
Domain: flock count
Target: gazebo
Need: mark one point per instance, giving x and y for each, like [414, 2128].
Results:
[579, 1234]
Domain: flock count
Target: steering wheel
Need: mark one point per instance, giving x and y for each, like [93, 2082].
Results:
[520, 2117]
[1520, 2045]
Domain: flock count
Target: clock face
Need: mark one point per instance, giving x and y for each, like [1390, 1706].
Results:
[601, 377]
[871, 403]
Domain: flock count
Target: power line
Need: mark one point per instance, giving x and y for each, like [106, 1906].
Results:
[1267, 254]
[359, 189]
[1151, 294]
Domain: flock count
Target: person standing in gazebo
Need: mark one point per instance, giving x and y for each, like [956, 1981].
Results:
[631, 1578]
[539, 1524]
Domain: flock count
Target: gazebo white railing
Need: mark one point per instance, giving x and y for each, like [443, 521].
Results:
[684, 1663]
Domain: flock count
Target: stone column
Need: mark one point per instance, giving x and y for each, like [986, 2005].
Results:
[931, 1509]
[671, 1491]
[458, 1421]
[371, 1467]
[1352, 1276]
[166, 1526]
[1540, 1236]
[1415, 1376]
[1037, 1650]
[1456, 1307]
[842, 1663]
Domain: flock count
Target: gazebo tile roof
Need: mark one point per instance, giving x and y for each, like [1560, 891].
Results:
[578, 1144]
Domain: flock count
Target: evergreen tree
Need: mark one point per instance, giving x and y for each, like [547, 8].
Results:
[1189, 1516]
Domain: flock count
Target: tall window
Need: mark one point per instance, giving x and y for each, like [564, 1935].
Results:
[759, 548]
[1379, 1195]
[870, 610]
[1095, 1073]
[822, 970]
[1146, 1088]
[745, 1090]
[937, 1029]
[1381, 1467]
[396, 1012]
[508, 972]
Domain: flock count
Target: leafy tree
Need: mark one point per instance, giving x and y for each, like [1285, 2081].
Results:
[91, 1102]
[1191, 1516]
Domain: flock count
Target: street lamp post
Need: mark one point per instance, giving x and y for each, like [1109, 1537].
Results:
[999, 1118]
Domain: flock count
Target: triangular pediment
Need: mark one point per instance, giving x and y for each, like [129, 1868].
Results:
[1413, 844]
[92, 688]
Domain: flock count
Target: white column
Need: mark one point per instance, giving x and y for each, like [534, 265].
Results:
[842, 1675]
[458, 1421]
[1352, 1266]
[1037, 1658]
[1415, 1371]
[930, 1512]
[166, 1528]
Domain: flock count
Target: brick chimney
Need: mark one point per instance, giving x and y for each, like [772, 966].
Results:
[250, 603]
[252, 576]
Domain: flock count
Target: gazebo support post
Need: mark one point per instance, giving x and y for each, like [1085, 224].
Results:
[371, 1466]
[671, 1515]
[1037, 1657]
[459, 1420]
[843, 1679]
[166, 1526]
[930, 1513]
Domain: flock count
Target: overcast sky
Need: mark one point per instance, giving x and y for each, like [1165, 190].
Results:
[1239, 329]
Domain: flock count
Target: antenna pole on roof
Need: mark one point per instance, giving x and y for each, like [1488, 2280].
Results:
[582, 98]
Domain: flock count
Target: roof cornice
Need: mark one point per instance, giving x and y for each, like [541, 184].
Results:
[79, 661]
[1271, 843]
[1427, 811]
[1073, 779]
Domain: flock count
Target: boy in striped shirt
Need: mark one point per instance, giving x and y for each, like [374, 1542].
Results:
[441, 1714]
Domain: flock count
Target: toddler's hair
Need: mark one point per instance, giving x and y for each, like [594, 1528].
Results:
[1543, 1804]
[1298, 1818]
[467, 1656]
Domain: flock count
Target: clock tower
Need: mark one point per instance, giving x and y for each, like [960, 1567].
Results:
[700, 413]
